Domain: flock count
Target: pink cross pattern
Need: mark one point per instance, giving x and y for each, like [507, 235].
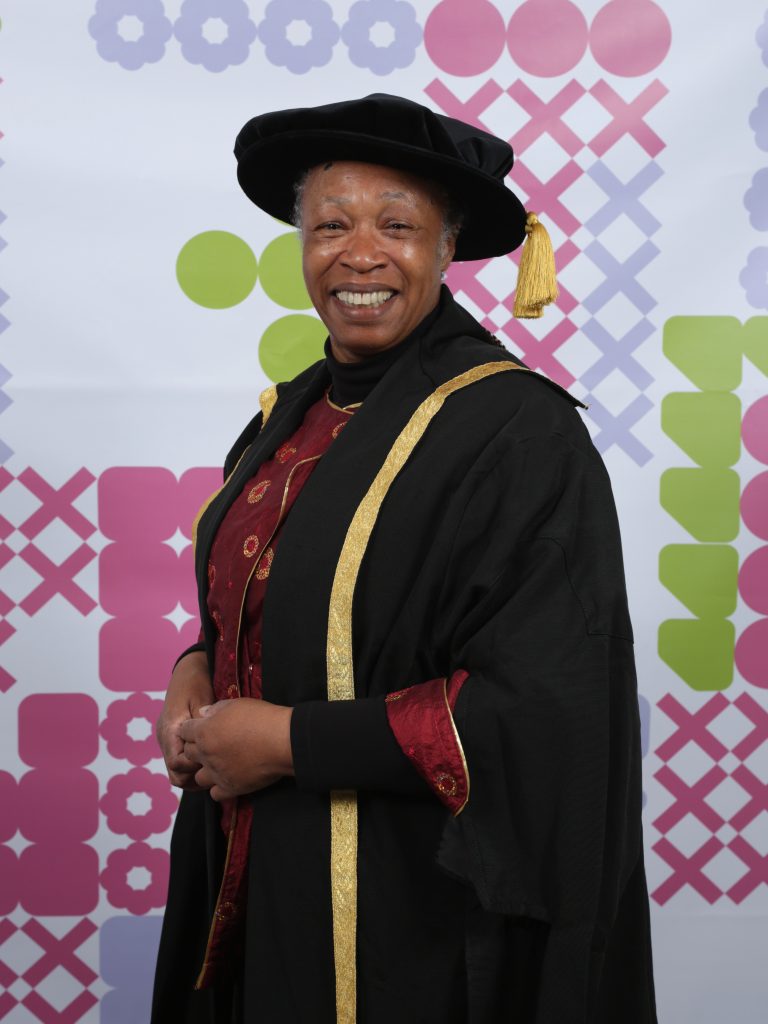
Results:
[692, 727]
[689, 799]
[749, 707]
[7, 1003]
[57, 504]
[546, 116]
[757, 873]
[539, 354]
[687, 870]
[463, 277]
[6, 528]
[59, 952]
[544, 196]
[46, 1013]
[627, 117]
[58, 579]
[465, 110]
[758, 793]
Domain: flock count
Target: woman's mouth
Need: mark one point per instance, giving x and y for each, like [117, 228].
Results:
[372, 299]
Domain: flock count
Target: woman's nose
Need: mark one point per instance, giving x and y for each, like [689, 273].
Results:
[363, 251]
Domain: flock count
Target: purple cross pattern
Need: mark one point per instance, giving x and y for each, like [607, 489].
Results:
[549, 198]
[694, 727]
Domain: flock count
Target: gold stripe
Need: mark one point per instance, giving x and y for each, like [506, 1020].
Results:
[458, 744]
[341, 683]
[267, 400]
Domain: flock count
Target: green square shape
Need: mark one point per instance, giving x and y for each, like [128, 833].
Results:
[704, 501]
[700, 651]
[707, 349]
[705, 424]
[703, 576]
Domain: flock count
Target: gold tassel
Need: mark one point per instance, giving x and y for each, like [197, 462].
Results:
[536, 281]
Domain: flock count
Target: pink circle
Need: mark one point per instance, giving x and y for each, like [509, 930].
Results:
[630, 37]
[547, 37]
[754, 505]
[753, 581]
[754, 429]
[464, 39]
[752, 653]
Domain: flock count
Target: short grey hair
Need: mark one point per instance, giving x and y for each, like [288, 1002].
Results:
[453, 215]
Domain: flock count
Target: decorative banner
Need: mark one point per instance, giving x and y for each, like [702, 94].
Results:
[149, 303]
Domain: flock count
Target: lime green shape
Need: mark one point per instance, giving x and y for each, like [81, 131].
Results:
[702, 576]
[290, 345]
[707, 349]
[756, 342]
[700, 651]
[704, 501]
[705, 424]
[216, 269]
[281, 275]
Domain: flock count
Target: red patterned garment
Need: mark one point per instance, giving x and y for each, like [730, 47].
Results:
[238, 573]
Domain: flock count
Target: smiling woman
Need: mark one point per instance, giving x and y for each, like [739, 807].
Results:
[373, 253]
[408, 738]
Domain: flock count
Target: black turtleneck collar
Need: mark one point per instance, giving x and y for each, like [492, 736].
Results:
[352, 382]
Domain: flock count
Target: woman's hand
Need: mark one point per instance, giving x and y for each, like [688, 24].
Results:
[189, 690]
[242, 745]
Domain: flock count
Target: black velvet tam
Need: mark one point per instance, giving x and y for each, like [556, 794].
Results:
[274, 149]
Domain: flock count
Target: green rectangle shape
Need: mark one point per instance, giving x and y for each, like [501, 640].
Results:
[704, 501]
[700, 651]
[705, 424]
[707, 349]
[703, 576]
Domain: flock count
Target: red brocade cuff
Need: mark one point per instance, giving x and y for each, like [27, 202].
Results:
[421, 717]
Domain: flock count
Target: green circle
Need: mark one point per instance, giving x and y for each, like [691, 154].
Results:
[216, 269]
[281, 275]
[290, 345]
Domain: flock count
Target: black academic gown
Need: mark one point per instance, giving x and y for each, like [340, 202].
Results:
[495, 549]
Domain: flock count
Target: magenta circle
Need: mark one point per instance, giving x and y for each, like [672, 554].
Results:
[754, 505]
[630, 37]
[753, 581]
[547, 37]
[754, 429]
[751, 654]
[464, 39]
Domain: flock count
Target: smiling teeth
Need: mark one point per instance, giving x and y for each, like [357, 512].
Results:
[364, 298]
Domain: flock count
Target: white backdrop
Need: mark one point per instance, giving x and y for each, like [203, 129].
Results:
[144, 305]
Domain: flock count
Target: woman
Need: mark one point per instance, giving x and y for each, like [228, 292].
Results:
[409, 737]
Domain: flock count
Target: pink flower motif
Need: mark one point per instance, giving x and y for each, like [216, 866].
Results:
[123, 821]
[115, 878]
[114, 728]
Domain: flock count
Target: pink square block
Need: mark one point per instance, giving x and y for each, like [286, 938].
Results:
[195, 487]
[59, 805]
[9, 880]
[138, 504]
[138, 653]
[59, 879]
[9, 804]
[139, 577]
[58, 730]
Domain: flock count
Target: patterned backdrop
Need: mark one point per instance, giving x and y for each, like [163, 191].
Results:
[145, 303]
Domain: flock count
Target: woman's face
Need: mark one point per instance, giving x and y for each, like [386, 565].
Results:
[373, 254]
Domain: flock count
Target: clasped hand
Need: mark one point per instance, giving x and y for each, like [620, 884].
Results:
[229, 748]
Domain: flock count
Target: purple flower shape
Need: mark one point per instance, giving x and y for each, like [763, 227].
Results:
[130, 54]
[114, 728]
[121, 893]
[758, 120]
[121, 820]
[754, 278]
[381, 60]
[761, 37]
[195, 48]
[756, 201]
[298, 57]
